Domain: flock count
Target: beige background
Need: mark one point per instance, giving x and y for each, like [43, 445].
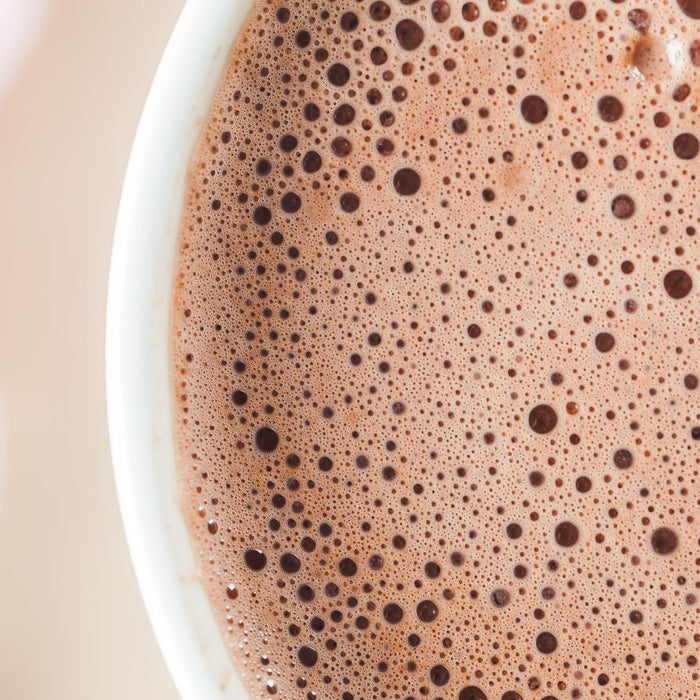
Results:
[71, 621]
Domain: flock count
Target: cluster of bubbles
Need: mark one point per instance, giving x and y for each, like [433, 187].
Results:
[435, 350]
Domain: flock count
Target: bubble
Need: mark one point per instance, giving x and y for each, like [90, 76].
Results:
[534, 109]
[255, 559]
[623, 459]
[623, 206]
[664, 541]
[439, 675]
[566, 534]
[240, 398]
[440, 10]
[690, 7]
[349, 202]
[262, 216]
[406, 181]
[311, 162]
[472, 692]
[604, 342]
[546, 643]
[678, 284]
[610, 108]
[347, 567]
[379, 11]
[290, 563]
[338, 74]
[686, 146]
[542, 419]
[409, 34]
[639, 19]
[577, 10]
[500, 597]
[267, 439]
[426, 611]
[308, 656]
[393, 613]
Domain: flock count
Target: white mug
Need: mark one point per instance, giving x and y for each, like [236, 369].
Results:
[139, 388]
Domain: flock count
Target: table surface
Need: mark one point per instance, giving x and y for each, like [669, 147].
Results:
[72, 624]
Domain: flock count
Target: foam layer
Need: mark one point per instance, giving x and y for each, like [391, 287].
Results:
[435, 350]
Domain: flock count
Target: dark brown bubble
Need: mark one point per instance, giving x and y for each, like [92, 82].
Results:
[610, 108]
[473, 330]
[347, 567]
[623, 459]
[311, 162]
[409, 34]
[393, 613]
[338, 74]
[255, 559]
[470, 11]
[639, 19]
[472, 692]
[240, 398]
[686, 146]
[440, 10]
[546, 643]
[459, 125]
[290, 563]
[570, 280]
[378, 56]
[308, 656]
[583, 484]
[344, 114]
[604, 342]
[406, 181]
[290, 202]
[577, 10]
[432, 570]
[511, 695]
[379, 11]
[426, 611]
[566, 534]
[302, 39]
[690, 381]
[266, 439]
[288, 143]
[534, 109]
[579, 160]
[341, 147]
[622, 206]
[349, 202]
[542, 419]
[514, 531]
[678, 284]
[664, 540]
[311, 112]
[690, 7]
[500, 597]
[262, 216]
[439, 675]
[349, 21]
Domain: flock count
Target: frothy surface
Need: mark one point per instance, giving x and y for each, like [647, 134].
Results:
[435, 350]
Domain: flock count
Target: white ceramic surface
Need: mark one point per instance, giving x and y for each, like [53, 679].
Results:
[138, 384]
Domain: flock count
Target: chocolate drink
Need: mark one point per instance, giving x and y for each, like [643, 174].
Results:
[435, 350]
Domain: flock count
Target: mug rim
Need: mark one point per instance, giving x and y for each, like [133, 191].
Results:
[138, 382]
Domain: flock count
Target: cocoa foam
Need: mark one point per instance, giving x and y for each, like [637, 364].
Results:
[435, 350]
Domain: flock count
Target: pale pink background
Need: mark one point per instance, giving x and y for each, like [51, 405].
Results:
[72, 625]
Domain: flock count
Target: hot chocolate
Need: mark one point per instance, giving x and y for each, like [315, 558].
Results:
[435, 350]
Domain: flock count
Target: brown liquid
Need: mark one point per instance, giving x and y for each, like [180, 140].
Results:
[435, 351]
